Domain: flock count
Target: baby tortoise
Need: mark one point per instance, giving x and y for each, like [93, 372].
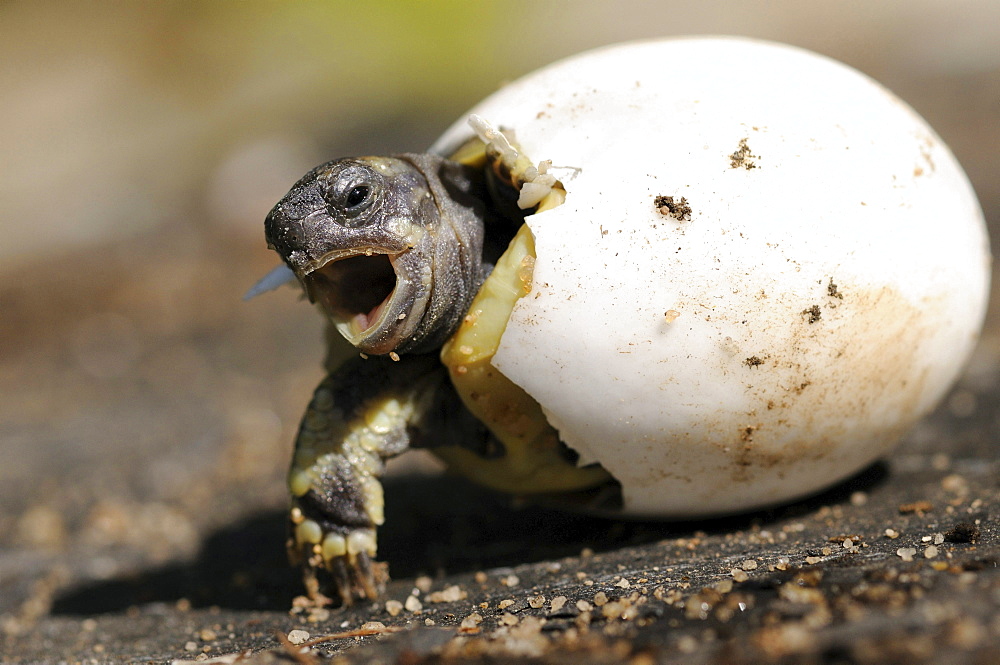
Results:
[396, 251]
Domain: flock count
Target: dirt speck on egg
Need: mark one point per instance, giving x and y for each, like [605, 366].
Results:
[679, 209]
[742, 157]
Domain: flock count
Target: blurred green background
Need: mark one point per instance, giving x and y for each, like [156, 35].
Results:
[142, 404]
[118, 117]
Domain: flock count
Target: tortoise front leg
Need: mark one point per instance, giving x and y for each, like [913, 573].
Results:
[362, 414]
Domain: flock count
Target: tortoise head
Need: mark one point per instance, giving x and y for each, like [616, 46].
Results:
[387, 246]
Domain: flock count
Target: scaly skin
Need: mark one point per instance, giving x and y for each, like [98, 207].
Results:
[362, 414]
[426, 215]
[392, 248]
[343, 224]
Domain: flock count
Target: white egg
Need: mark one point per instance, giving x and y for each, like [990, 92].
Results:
[816, 288]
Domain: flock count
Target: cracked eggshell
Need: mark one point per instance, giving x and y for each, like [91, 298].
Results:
[821, 295]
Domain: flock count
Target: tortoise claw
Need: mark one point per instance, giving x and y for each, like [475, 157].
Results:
[341, 563]
[342, 580]
[370, 575]
[359, 416]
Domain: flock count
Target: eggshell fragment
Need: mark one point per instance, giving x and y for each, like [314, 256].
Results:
[766, 269]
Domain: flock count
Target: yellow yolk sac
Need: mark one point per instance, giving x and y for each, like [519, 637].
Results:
[534, 462]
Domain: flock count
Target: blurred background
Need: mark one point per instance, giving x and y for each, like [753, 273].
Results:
[142, 403]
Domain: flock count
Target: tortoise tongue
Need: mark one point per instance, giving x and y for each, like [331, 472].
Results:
[364, 321]
[354, 289]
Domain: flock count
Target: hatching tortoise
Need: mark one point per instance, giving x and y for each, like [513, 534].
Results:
[396, 251]
[737, 304]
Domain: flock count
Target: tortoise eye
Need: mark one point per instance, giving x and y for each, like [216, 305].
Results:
[356, 196]
[352, 191]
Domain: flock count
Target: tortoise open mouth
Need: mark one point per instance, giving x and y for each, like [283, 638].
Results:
[355, 290]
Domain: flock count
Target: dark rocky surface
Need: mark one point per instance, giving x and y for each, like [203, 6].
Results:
[147, 419]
